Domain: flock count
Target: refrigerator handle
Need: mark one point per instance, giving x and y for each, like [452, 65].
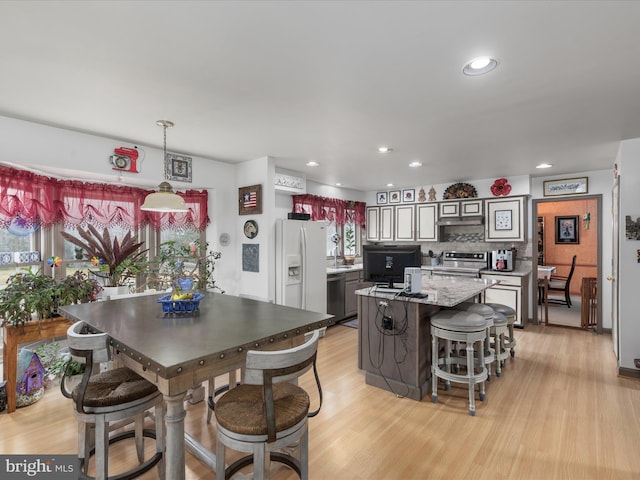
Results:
[303, 250]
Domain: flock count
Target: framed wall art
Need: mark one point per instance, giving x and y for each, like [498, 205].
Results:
[503, 220]
[250, 200]
[408, 195]
[394, 196]
[381, 198]
[566, 186]
[568, 229]
[178, 167]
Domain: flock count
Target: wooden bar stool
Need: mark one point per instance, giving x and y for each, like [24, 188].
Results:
[459, 326]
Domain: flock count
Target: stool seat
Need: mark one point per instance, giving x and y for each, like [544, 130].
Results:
[458, 321]
[113, 388]
[500, 320]
[503, 309]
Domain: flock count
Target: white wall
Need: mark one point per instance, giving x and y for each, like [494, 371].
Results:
[86, 157]
[258, 284]
[629, 270]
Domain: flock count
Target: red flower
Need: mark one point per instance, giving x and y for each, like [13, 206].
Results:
[500, 187]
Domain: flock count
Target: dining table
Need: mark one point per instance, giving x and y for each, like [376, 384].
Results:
[545, 271]
[180, 352]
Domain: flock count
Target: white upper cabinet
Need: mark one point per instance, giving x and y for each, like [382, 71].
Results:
[405, 227]
[460, 208]
[426, 218]
[380, 224]
[505, 219]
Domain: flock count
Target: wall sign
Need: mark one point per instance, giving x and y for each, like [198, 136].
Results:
[566, 186]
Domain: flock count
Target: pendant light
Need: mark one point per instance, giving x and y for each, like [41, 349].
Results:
[164, 200]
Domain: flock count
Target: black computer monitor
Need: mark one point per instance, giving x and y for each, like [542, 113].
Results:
[386, 263]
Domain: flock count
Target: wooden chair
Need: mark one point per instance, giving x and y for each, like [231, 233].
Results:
[559, 283]
[543, 299]
[268, 412]
[117, 395]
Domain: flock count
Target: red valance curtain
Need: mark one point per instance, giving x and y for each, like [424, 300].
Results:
[36, 198]
[331, 209]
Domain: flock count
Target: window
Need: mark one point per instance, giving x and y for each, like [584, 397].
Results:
[345, 218]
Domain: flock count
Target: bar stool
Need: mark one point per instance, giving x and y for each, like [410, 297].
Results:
[113, 397]
[510, 313]
[498, 332]
[458, 326]
[488, 313]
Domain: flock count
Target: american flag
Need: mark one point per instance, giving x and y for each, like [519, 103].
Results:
[249, 200]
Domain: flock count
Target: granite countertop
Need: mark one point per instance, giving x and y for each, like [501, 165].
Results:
[520, 271]
[441, 291]
[344, 269]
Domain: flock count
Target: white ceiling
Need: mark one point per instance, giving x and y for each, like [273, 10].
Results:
[331, 81]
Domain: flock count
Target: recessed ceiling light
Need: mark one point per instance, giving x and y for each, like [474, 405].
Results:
[480, 66]
[338, 184]
[415, 164]
[384, 149]
[312, 164]
[389, 184]
[544, 165]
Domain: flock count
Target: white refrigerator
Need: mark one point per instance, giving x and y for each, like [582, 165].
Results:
[301, 264]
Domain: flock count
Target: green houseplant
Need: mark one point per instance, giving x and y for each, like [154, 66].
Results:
[117, 261]
[349, 244]
[176, 260]
[30, 295]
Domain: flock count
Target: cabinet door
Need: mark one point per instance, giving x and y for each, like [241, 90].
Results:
[386, 224]
[505, 220]
[509, 295]
[373, 223]
[426, 218]
[405, 223]
[471, 207]
[449, 209]
[350, 298]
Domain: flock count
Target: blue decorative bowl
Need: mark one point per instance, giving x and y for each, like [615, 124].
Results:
[180, 307]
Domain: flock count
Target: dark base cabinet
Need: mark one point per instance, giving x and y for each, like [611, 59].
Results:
[342, 300]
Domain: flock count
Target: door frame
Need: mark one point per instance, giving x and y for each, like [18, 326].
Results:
[534, 262]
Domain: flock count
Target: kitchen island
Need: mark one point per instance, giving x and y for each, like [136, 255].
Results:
[394, 334]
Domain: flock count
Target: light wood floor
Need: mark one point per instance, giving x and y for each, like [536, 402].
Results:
[559, 411]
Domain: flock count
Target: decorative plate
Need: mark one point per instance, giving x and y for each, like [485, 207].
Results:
[250, 229]
[500, 187]
[460, 190]
[225, 238]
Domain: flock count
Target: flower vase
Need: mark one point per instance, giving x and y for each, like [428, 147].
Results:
[185, 284]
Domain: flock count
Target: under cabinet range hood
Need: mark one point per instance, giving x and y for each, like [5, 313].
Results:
[466, 220]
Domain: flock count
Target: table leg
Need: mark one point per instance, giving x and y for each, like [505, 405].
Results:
[175, 454]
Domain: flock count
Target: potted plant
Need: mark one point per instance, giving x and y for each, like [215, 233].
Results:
[183, 266]
[349, 244]
[30, 296]
[116, 261]
[29, 313]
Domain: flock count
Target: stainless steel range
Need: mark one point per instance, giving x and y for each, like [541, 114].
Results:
[462, 264]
